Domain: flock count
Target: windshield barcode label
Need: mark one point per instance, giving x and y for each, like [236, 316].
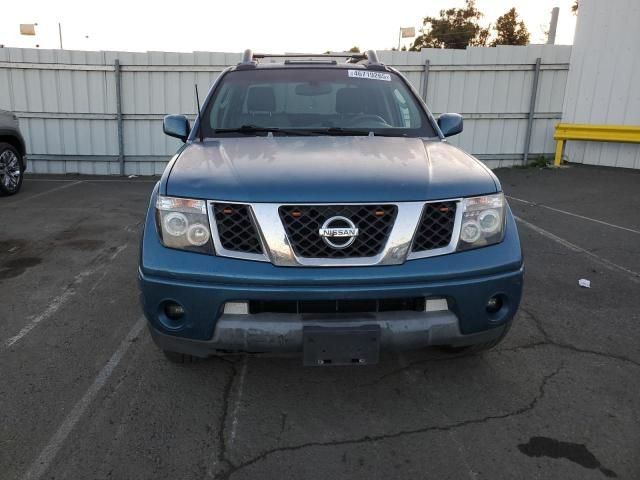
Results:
[370, 75]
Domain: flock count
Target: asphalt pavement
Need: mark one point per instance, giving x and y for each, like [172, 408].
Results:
[84, 393]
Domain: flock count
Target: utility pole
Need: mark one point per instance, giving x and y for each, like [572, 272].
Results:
[553, 26]
[60, 35]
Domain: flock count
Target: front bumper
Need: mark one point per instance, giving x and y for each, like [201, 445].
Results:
[284, 333]
[205, 329]
[202, 284]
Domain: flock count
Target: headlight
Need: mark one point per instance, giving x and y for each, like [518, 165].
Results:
[482, 221]
[183, 223]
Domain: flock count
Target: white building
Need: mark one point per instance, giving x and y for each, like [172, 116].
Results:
[604, 79]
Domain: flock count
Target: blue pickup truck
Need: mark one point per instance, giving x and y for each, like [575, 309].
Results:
[316, 207]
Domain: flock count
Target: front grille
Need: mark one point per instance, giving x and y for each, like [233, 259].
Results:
[303, 223]
[337, 306]
[235, 228]
[436, 226]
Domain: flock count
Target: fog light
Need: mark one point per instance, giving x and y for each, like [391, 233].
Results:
[174, 311]
[236, 308]
[494, 304]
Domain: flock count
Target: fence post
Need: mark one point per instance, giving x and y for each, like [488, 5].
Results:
[118, 75]
[425, 80]
[532, 109]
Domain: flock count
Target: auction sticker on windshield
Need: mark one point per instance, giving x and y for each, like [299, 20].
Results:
[370, 75]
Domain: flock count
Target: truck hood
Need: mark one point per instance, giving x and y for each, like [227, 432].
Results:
[326, 169]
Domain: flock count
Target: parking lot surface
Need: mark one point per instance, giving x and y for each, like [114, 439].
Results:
[86, 395]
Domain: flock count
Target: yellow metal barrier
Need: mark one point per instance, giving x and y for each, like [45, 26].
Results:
[593, 133]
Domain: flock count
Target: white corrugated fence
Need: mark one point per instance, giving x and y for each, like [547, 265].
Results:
[69, 107]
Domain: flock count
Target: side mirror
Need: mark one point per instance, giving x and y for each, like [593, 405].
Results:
[176, 126]
[450, 124]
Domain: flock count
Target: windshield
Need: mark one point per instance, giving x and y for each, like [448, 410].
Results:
[314, 101]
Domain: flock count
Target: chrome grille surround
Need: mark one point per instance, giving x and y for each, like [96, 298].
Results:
[278, 250]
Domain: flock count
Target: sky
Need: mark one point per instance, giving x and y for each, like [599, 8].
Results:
[273, 26]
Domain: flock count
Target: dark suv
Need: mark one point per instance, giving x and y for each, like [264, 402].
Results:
[316, 207]
[13, 161]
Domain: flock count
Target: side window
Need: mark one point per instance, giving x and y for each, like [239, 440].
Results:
[403, 107]
[220, 108]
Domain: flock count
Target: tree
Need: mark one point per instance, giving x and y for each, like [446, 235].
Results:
[510, 31]
[351, 50]
[455, 28]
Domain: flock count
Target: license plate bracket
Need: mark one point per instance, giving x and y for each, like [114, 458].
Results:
[335, 346]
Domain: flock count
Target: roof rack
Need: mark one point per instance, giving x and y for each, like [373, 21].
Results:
[309, 62]
[369, 59]
[247, 60]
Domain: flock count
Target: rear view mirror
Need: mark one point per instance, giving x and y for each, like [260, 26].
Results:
[313, 89]
[176, 126]
[450, 124]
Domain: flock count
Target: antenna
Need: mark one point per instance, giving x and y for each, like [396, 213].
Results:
[199, 114]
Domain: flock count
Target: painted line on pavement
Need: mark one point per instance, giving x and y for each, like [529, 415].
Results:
[46, 192]
[236, 406]
[119, 180]
[89, 180]
[61, 299]
[634, 276]
[53, 307]
[601, 222]
[27, 178]
[49, 452]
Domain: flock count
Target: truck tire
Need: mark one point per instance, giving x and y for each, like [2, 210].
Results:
[175, 357]
[11, 169]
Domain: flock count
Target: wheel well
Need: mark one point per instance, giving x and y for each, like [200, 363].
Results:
[16, 143]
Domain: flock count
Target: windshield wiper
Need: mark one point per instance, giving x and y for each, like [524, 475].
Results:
[349, 132]
[340, 131]
[251, 129]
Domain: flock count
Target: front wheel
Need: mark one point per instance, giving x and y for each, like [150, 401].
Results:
[11, 170]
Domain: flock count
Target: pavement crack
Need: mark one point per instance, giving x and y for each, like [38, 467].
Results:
[537, 323]
[225, 475]
[413, 364]
[526, 346]
[221, 461]
[548, 340]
